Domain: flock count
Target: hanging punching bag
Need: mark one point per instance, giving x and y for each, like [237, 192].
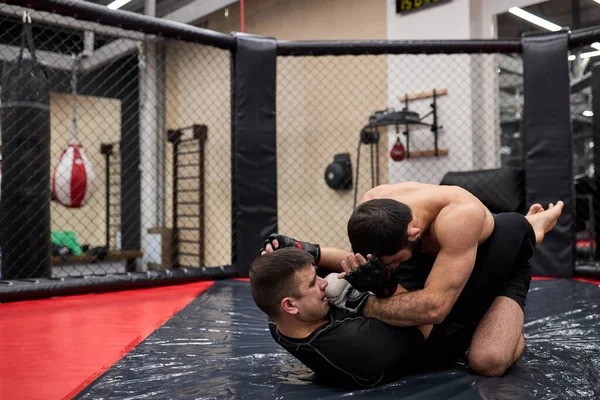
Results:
[25, 200]
[398, 152]
[73, 179]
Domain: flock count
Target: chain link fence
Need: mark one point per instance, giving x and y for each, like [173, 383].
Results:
[452, 119]
[126, 164]
[111, 174]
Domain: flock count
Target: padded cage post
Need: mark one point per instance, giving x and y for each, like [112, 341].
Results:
[253, 152]
[547, 145]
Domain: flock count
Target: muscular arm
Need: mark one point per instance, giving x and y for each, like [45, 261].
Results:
[331, 258]
[458, 232]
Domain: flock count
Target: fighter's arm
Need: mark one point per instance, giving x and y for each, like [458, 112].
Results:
[458, 233]
[327, 257]
[331, 258]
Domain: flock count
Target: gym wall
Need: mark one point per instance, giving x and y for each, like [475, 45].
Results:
[198, 92]
[322, 105]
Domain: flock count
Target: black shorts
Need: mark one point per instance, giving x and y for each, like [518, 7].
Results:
[501, 268]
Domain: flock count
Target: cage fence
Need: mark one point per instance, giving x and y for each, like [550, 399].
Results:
[91, 184]
[348, 123]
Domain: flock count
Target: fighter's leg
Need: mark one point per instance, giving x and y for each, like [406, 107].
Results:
[543, 221]
[498, 340]
[497, 337]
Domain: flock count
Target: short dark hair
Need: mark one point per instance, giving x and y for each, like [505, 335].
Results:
[273, 277]
[379, 227]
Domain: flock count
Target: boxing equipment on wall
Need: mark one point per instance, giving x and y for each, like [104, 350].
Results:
[73, 179]
[338, 174]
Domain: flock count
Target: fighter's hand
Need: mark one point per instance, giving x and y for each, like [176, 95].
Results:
[372, 275]
[276, 241]
[342, 295]
[351, 263]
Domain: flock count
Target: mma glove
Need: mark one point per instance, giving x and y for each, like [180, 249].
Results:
[285, 241]
[373, 276]
[342, 295]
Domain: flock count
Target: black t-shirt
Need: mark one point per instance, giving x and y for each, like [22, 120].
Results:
[352, 348]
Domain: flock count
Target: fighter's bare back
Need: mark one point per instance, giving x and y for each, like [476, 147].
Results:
[432, 205]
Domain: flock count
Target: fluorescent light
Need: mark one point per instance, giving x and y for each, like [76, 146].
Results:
[597, 1]
[590, 54]
[117, 4]
[573, 57]
[534, 19]
[596, 45]
[588, 113]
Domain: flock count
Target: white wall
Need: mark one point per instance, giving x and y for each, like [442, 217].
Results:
[469, 114]
[413, 74]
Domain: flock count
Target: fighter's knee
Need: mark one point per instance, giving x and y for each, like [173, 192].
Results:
[490, 363]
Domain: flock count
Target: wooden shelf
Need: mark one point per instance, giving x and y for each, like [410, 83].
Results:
[428, 153]
[113, 255]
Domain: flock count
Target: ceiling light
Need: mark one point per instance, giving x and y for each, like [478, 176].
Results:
[590, 54]
[596, 45]
[588, 113]
[573, 57]
[117, 4]
[534, 19]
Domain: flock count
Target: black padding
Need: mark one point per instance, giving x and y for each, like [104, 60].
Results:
[254, 163]
[19, 290]
[593, 186]
[547, 145]
[501, 189]
[25, 200]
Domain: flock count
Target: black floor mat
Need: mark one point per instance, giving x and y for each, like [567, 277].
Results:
[219, 347]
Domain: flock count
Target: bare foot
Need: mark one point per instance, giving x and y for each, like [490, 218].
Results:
[535, 208]
[544, 221]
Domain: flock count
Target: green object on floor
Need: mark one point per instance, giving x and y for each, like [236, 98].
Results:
[66, 238]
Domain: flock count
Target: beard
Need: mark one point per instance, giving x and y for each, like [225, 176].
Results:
[415, 245]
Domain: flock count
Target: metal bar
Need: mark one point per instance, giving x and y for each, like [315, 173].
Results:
[50, 18]
[584, 36]
[88, 11]
[56, 60]
[189, 165]
[107, 183]
[187, 152]
[385, 47]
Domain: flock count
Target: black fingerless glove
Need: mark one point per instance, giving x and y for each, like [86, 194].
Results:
[285, 241]
[375, 277]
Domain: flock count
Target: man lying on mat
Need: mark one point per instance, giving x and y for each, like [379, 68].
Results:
[465, 270]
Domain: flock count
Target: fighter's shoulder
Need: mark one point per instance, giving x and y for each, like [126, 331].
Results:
[460, 221]
[390, 190]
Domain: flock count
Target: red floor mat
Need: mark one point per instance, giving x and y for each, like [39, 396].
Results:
[53, 348]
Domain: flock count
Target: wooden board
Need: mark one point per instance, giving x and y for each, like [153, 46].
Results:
[428, 153]
[113, 255]
[423, 95]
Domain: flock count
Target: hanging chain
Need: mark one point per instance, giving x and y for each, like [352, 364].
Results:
[141, 55]
[76, 62]
[142, 70]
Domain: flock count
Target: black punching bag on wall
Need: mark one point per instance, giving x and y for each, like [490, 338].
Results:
[25, 192]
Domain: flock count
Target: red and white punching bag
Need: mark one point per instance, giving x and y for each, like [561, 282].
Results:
[73, 180]
[398, 152]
